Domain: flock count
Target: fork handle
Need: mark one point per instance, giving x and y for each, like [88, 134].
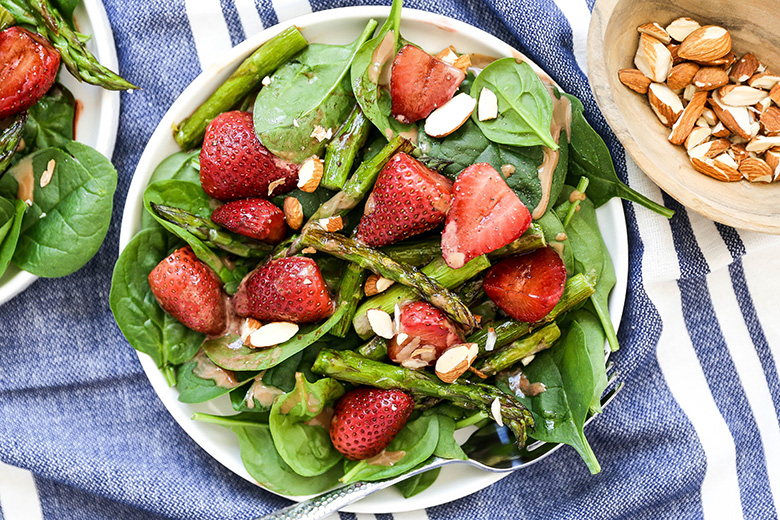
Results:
[325, 504]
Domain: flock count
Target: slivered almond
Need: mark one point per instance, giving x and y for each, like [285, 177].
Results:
[744, 68]
[763, 105]
[764, 80]
[682, 75]
[248, 326]
[488, 104]
[709, 167]
[272, 334]
[656, 31]
[775, 93]
[697, 136]
[310, 174]
[736, 119]
[706, 43]
[456, 360]
[772, 158]
[710, 78]
[709, 149]
[381, 323]
[632, 78]
[463, 62]
[756, 170]
[665, 103]
[682, 128]
[495, 411]
[653, 58]
[680, 28]
[450, 116]
[761, 144]
[293, 212]
[740, 95]
[331, 224]
[770, 121]
[719, 130]
[376, 284]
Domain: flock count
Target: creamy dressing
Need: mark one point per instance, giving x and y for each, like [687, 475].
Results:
[384, 52]
[322, 419]
[25, 178]
[561, 120]
[262, 394]
[386, 458]
[205, 368]
[520, 385]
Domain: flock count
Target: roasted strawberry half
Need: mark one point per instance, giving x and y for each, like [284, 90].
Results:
[235, 165]
[407, 199]
[253, 218]
[424, 333]
[28, 68]
[190, 291]
[366, 420]
[527, 287]
[287, 289]
[485, 215]
[420, 83]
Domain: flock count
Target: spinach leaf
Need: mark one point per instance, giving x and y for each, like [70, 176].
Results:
[180, 166]
[301, 440]
[144, 324]
[524, 105]
[7, 214]
[590, 157]
[560, 411]
[417, 440]
[255, 396]
[66, 8]
[375, 101]
[310, 202]
[9, 232]
[69, 216]
[446, 447]
[418, 483]
[230, 352]
[594, 344]
[468, 145]
[50, 122]
[267, 467]
[195, 388]
[555, 235]
[312, 90]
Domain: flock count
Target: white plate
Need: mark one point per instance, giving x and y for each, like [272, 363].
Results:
[98, 117]
[433, 32]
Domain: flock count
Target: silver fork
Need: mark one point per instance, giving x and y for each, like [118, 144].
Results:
[490, 448]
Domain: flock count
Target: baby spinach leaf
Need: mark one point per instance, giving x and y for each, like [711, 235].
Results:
[417, 440]
[12, 227]
[590, 157]
[594, 344]
[145, 325]
[446, 447]
[312, 90]
[418, 483]
[255, 396]
[302, 441]
[69, 216]
[267, 467]
[524, 105]
[7, 213]
[194, 387]
[50, 121]
[180, 166]
[555, 234]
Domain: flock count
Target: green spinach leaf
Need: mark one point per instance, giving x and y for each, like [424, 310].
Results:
[50, 122]
[255, 396]
[300, 422]
[446, 447]
[66, 8]
[524, 105]
[200, 380]
[418, 483]
[145, 325]
[182, 166]
[594, 344]
[555, 235]
[9, 232]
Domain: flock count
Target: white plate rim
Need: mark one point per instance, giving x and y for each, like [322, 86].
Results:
[105, 107]
[387, 501]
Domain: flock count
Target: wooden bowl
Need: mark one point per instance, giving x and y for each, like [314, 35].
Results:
[612, 42]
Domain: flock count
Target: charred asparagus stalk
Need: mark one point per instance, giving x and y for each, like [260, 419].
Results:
[517, 350]
[350, 293]
[343, 148]
[375, 349]
[10, 137]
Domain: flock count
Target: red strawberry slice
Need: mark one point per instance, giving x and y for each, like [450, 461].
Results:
[527, 287]
[287, 289]
[190, 291]
[254, 218]
[28, 68]
[421, 325]
[420, 83]
[366, 420]
[486, 215]
[235, 165]
[407, 199]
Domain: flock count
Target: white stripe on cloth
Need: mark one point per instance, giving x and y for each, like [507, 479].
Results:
[764, 285]
[420, 514]
[209, 30]
[18, 495]
[364, 516]
[751, 373]
[250, 18]
[286, 9]
[578, 16]
[678, 362]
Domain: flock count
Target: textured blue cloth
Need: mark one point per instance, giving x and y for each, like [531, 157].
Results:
[77, 410]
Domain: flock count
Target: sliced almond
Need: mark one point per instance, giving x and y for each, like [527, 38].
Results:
[632, 78]
[770, 121]
[715, 170]
[376, 284]
[709, 116]
[709, 149]
[447, 55]
[381, 323]
[772, 158]
[48, 173]
[744, 68]
[488, 104]
[775, 93]
[685, 123]
[710, 78]
[310, 174]
[719, 130]
[736, 119]
[666, 105]
[455, 361]
[653, 58]
[293, 212]
[706, 44]
[697, 136]
[272, 334]
[682, 75]
[680, 28]
[463, 62]
[756, 170]
[331, 224]
[761, 144]
[656, 31]
[491, 339]
[248, 326]
[764, 80]
[495, 411]
[740, 95]
[450, 116]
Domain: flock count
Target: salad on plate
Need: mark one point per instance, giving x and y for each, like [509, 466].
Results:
[368, 247]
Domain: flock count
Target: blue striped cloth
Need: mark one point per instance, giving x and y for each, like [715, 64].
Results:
[693, 434]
